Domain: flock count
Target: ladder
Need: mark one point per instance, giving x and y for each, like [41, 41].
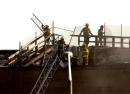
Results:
[51, 63]
[27, 52]
[37, 22]
[13, 58]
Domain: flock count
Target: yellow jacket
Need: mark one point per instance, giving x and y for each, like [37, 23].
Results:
[85, 52]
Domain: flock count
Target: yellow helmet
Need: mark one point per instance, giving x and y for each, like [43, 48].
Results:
[62, 37]
[84, 45]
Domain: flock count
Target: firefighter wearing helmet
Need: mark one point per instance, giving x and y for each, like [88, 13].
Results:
[86, 33]
[61, 47]
[47, 33]
[100, 35]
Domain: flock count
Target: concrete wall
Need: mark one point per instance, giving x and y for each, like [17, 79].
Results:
[104, 55]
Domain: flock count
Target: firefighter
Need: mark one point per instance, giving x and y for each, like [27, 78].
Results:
[100, 35]
[85, 53]
[86, 33]
[46, 34]
[61, 47]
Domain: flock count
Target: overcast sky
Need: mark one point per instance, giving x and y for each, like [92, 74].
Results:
[15, 23]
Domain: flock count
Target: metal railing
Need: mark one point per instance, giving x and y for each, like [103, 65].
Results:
[26, 50]
[109, 41]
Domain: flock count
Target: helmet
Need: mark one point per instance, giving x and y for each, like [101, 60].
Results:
[87, 24]
[61, 38]
[101, 26]
[84, 45]
[46, 26]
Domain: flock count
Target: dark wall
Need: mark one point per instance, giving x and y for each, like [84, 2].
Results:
[18, 80]
[4, 54]
[104, 55]
[92, 80]
[86, 80]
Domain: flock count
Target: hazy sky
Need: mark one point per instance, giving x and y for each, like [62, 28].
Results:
[15, 23]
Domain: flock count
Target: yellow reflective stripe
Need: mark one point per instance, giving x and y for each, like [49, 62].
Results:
[85, 53]
[85, 56]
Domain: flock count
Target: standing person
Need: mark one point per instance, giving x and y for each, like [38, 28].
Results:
[61, 47]
[100, 35]
[85, 54]
[46, 34]
[86, 33]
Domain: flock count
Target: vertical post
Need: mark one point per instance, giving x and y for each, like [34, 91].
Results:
[113, 41]
[121, 42]
[104, 41]
[20, 46]
[129, 42]
[121, 38]
[20, 50]
[104, 34]
[79, 40]
[96, 41]
[72, 34]
[121, 30]
[36, 48]
[104, 29]
[53, 36]
[52, 27]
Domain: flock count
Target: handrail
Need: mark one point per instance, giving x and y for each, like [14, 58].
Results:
[38, 44]
[29, 50]
[70, 73]
[31, 42]
[103, 36]
[27, 46]
[41, 55]
[64, 29]
[112, 41]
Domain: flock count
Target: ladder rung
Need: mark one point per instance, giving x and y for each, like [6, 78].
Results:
[45, 76]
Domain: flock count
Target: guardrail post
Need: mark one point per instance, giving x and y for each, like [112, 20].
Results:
[36, 48]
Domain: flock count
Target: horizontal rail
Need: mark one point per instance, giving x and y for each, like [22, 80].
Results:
[12, 58]
[113, 40]
[64, 29]
[102, 37]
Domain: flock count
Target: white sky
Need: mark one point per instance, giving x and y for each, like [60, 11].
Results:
[15, 23]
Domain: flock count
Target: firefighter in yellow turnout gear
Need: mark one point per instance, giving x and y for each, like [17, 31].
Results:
[85, 54]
